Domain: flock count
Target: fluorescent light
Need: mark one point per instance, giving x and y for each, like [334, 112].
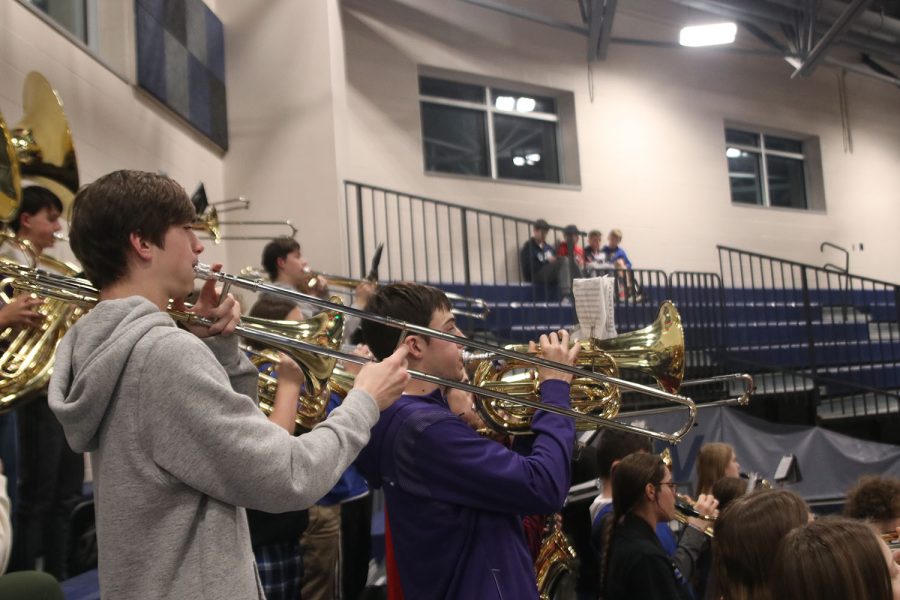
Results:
[733, 153]
[714, 34]
[533, 158]
[525, 104]
[505, 103]
[519, 161]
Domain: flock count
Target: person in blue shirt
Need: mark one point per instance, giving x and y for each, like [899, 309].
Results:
[617, 257]
[454, 499]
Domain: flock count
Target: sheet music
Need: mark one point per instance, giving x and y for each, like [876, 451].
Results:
[594, 302]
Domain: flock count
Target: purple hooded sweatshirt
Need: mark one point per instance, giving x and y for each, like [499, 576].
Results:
[456, 500]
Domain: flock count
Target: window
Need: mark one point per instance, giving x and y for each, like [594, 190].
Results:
[770, 170]
[489, 131]
[102, 28]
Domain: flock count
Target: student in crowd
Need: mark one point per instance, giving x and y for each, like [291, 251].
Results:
[686, 551]
[537, 258]
[570, 259]
[50, 474]
[275, 537]
[834, 558]
[715, 461]
[287, 268]
[594, 258]
[177, 442]
[875, 499]
[616, 256]
[747, 534]
[634, 563]
[454, 499]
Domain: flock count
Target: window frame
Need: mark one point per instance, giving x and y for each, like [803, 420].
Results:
[489, 109]
[809, 157]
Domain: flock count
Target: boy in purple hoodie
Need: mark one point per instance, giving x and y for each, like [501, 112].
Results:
[454, 498]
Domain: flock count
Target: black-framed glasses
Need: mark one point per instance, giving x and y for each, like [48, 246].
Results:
[673, 484]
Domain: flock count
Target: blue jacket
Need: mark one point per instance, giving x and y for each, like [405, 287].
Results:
[455, 499]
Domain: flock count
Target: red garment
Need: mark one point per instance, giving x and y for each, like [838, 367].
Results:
[394, 591]
[534, 533]
[563, 250]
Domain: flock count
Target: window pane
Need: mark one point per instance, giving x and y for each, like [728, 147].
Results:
[780, 143]
[786, 182]
[744, 138]
[744, 176]
[523, 103]
[526, 149]
[70, 14]
[429, 86]
[455, 140]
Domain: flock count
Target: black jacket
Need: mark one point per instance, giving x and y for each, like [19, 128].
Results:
[639, 567]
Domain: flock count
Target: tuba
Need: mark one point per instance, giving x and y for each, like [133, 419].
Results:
[40, 149]
[325, 331]
[657, 350]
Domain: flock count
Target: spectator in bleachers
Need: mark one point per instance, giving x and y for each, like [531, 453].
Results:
[617, 257]
[875, 500]
[573, 264]
[594, 250]
[537, 257]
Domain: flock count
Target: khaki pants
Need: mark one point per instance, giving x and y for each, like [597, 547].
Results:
[321, 545]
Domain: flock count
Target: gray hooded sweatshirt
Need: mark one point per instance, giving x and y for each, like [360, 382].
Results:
[178, 445]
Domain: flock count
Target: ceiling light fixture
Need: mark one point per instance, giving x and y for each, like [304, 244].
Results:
[714, 34]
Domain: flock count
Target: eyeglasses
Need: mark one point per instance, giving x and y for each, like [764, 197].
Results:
[673, 484]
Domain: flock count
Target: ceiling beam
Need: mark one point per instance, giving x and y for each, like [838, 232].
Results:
[527, 15]
[853, 10]
[600, 27]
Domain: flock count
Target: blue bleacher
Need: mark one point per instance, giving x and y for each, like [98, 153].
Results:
[762, 326]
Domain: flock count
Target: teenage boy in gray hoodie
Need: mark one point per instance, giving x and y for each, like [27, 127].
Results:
[177, 442]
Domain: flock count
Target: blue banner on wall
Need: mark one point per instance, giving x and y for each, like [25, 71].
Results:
[181, 62]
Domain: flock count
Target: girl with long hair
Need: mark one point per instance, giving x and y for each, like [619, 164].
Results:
[834, 559]
[747, 533]
[715, 461]
[634, 563]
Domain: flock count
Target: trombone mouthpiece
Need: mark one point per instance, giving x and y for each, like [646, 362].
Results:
[203, 271]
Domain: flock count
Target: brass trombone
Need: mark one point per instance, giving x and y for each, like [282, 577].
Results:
[476, 308]
[205, 272]
[79, 291]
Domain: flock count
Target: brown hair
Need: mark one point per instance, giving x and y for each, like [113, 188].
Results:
[616, 445]
[712, 461]
[277, 248]
[728, 489]
[747, 533]
[411, 302]
[106, 212]
[630, 477]
[874, 498]
[35, 198]
[833, 558]
[270, 306]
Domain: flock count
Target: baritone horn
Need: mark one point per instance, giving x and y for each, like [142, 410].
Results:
[324, 330]
[657, 350]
